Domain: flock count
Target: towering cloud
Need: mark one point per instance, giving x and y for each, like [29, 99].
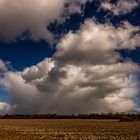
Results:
[86, 74]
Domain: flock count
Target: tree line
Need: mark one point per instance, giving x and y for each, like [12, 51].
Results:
[118, 116]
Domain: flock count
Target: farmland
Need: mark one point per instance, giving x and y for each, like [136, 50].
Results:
[68, 129]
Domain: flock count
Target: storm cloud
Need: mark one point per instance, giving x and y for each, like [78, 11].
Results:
[86, 74]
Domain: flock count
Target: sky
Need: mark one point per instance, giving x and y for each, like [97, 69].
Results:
[69, 56]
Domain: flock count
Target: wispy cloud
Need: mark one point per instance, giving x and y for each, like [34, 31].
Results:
[121, 7]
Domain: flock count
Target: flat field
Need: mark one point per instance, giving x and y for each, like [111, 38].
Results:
[68, 129]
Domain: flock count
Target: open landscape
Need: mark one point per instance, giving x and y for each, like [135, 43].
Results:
[68, 129]
[69, 69]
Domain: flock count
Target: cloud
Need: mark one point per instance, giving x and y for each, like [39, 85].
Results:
[3, 66]
[71, 89]
[74, 6]
[4, 108]
[121, 7]
[36, 72]
[96, 43]
[33, 17]
[85, 75]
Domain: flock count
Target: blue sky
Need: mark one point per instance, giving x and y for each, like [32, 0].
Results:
[25, 53]
[29, 47]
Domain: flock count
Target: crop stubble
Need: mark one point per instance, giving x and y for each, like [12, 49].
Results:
[65, 129]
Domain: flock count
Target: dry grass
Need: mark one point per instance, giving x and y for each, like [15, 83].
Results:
[68, 130]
